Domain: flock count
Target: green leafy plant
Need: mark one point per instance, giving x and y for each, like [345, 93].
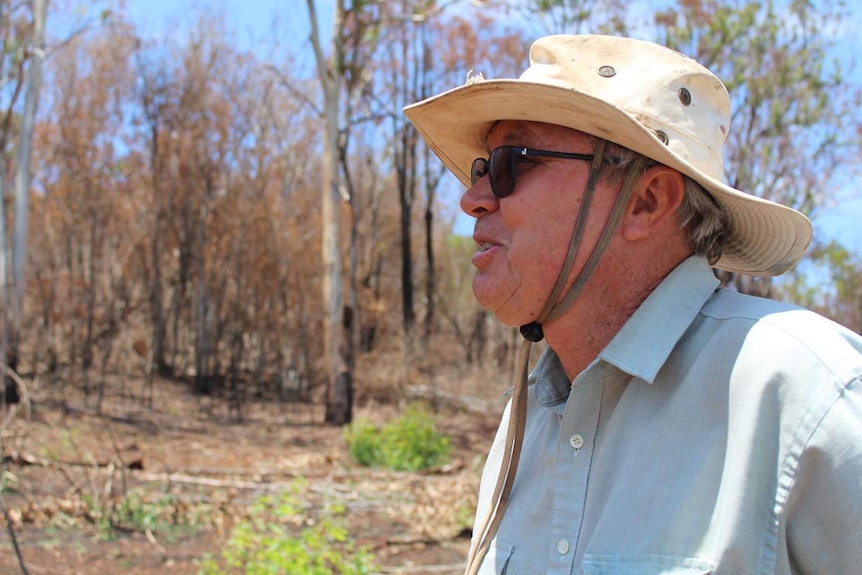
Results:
[132, 513]
[279, 537]
[136, 514]
[408, 443]
[98, 513]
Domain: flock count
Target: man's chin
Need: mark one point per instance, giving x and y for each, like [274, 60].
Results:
[502, 308]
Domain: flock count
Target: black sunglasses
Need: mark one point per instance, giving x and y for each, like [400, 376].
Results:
[502, 166]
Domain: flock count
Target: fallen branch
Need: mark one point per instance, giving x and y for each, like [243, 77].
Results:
[440, 397]
[212, 482]
[197, 470]
[453, 568]
[25, 459]
[28, 459]
[183, 478]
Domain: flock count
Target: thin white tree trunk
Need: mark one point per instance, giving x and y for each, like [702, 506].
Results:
[22, 176]
[339, 395]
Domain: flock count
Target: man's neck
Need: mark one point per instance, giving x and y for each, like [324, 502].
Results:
[599, 313]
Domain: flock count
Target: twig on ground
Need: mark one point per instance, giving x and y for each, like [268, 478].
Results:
[152, 539]
[11, 529]
[117, 453]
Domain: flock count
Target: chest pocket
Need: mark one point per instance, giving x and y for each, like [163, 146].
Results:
[497, 558]
[644, 565]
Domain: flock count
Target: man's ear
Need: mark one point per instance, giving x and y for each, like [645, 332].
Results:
[655, 199]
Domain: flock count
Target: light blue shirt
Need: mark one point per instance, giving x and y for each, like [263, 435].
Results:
[716, 433]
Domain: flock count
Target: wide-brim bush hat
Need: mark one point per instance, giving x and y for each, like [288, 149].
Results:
[634, 93]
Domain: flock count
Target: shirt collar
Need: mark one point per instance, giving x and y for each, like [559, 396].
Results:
[646, 340]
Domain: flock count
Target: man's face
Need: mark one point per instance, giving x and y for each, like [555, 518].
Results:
[523, 238]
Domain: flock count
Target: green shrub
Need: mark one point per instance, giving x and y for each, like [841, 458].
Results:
[279, 538]
[364, 443]
[408, 443]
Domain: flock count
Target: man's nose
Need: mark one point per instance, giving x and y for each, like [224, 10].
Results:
[479, 200]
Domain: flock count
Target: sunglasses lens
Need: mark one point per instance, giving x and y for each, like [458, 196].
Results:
[478, 170]
[502, 168]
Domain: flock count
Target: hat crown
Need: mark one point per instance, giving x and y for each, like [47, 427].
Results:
[637, 94]
[670, 94]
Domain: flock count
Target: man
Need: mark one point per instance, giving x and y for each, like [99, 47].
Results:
[672, 426]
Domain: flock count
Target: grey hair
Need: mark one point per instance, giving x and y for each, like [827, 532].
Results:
[699, 213]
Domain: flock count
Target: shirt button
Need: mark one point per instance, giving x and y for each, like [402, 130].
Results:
[563, 546]
[576, 441]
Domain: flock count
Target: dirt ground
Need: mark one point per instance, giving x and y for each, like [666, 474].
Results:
[65, 467]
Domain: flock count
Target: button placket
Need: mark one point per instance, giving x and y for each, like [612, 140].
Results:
[576, 434]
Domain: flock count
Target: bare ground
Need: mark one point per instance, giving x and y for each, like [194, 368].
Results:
[200, 470]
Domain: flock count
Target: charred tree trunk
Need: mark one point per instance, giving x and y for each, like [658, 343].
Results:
[339, 405]
[430, 276]
[153, 269]
[203, 347]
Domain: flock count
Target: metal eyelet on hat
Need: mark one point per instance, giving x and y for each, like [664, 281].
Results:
[684, 96]
[607, 71]
[662, 136]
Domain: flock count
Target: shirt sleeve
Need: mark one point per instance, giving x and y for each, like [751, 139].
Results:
[824, 510]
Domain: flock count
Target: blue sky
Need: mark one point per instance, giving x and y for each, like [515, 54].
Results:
[251, 22]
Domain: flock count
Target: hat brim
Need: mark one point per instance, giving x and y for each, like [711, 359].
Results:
[766, 238]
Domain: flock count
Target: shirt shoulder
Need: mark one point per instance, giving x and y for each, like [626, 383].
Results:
[777, 333]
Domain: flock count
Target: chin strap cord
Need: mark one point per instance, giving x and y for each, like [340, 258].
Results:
[532, 332]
